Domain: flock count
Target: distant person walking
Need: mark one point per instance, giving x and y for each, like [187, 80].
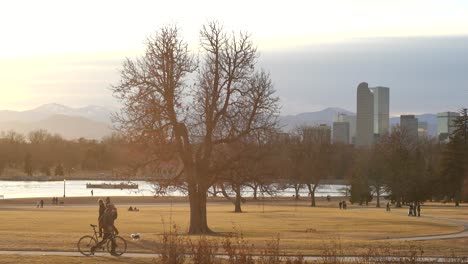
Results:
[410, 210]
[419, 210]
[42, 203]
[388, 207]
[92, 193]
[341, 204]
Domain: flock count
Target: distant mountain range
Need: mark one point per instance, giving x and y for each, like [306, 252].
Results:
[326, 116]
[93, 122]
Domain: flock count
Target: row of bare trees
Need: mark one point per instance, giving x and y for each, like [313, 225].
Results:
[42, 153]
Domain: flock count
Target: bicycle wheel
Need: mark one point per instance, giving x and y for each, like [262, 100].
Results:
[120, 245]
[85, 243]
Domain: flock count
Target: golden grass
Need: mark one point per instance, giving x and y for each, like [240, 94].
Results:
[301, 228]
[15, 259]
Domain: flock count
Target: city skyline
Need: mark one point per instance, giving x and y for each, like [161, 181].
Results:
[316, 53]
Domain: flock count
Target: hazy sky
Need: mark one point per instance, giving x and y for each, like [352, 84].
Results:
[317, 51]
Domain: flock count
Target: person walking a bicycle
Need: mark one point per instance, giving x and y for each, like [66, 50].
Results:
[107, 221]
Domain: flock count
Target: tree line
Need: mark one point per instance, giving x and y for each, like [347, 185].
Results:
[41, 153]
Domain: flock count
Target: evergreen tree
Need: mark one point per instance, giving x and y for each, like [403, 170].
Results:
[454, 161]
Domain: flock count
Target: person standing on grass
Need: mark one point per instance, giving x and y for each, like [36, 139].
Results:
[341, 204]
[114, 213]
[102, 208]
[388, 206]
[108, 225]
[419, 210]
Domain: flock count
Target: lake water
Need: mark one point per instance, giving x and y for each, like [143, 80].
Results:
[30, 189]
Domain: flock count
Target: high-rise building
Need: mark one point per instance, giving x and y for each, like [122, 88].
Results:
[341, 132]
[409, 126]
[445, 125]
[422, 129]
[318, 134]
[381, 110]
[364, 116]
[351, 119]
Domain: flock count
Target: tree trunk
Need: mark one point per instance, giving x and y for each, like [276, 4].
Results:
[215, 193]
[198, 217]
[297, 187]
[312, 193]
[377, 190]
[238, 199]
[255, 189]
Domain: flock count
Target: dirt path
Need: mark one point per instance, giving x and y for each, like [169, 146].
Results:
[460, 234]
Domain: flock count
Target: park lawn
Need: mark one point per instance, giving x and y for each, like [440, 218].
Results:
[460, 213]
[14, 259]
[301, 229]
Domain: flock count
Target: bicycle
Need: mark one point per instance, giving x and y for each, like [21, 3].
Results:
[85, 243]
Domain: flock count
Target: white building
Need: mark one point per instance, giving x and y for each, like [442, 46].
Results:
[381, 110]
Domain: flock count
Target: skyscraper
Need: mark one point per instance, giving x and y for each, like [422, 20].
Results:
[445, 125]
[381, 110]
[364, 115]
[422, 129]
[409, 126]
[351, 119]
[341, 132]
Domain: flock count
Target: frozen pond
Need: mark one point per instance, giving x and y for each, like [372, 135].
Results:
[29, 189]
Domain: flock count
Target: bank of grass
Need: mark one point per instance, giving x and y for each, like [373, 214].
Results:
[302, 229]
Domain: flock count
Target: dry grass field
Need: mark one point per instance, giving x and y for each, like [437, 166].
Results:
[15, 259]
[300, 228]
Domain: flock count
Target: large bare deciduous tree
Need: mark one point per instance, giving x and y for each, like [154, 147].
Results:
[190, 110]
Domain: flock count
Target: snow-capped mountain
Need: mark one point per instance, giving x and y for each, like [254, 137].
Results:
[93, 112]
[91, 122]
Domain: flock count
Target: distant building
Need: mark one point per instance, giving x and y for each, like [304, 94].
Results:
[351, 119]
[318, 134]
[381, 110]
[423, 130]
[364, 116]
[409, 125]
[341, 132]
[445, 125]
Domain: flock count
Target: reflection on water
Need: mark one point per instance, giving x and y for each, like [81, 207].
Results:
[26, 189]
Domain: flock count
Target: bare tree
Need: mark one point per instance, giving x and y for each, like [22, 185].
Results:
[229, 101]
[314, 156]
